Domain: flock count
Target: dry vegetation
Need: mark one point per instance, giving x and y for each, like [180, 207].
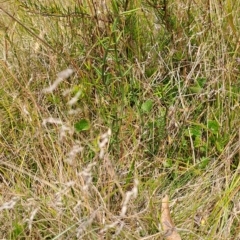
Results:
[148, 106]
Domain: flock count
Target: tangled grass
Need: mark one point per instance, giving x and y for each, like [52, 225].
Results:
[107, 106]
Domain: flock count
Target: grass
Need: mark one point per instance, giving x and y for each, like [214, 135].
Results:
[156, 112]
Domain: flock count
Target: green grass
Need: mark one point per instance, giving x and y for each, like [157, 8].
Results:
[157, 110]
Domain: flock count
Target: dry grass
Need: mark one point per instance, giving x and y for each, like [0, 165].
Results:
[152, 107]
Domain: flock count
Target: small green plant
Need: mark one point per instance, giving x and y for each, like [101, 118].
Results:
[82, 125]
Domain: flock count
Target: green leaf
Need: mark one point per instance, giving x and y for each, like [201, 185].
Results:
[168, 163]
[198, 85]
[195, 131]
[195, 89]
[82, 125]
[147, 106]
[201, 82]
[213, 126]
[204, 162]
